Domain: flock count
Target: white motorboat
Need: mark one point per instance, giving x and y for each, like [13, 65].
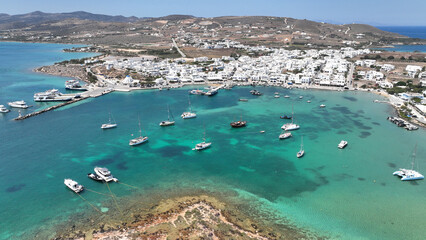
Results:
[105, 174]
[301, 152]
[322, 106]
[110, 124]
[18, 104]
[409, 174]
[189, 114]
[73, 185]
[202, 145]
[168, 122]
[342, 144]
[52, 95]
[290, 126]
[277, 93]
[285, 135]
[286, 96]
[74, 85]
[277, 96]
[139, 140]
[3, 109]
[309, 101]
[300, 97]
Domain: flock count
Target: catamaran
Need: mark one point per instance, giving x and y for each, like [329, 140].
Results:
[110, 124]
[73, 185]
[190, 114]
[301, 151]
[290, 126]
[409, 174]
[202, 145]
[168, 122]
[139, 140]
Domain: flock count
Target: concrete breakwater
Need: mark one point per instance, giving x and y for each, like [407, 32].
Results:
[49, 109]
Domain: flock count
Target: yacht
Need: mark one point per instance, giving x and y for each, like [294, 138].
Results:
[300, 97]
[73, 185]
[168, 122]
[342, 144]
[74, 85]
[110, 124]
[18, 104]
[290, 126]
[202, 145]
[190, 114]
[105, 174]
[52, 95]
[3, 109]
[409, 174]
[277, 96]
[322, 106]
[285, 135]
[139, 140]
[301, 152]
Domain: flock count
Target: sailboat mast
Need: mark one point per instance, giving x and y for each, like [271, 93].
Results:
[413, 157]
[140, 130]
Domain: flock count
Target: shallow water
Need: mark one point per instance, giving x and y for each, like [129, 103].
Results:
[347, 193]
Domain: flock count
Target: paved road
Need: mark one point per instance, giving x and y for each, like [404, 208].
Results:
[177, 48]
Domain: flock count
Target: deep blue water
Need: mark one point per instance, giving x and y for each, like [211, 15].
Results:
[410, 31]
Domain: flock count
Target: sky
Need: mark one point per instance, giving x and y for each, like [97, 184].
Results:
[373, 12]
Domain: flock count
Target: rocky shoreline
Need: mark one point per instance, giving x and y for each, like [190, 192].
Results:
[70, 70]
[206, 215]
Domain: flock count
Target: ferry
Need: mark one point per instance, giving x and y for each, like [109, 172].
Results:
[105, 174]
[3, 109]
[74, 85]
[18, 104]
[73, 185]
[52, 95]
[342, 144]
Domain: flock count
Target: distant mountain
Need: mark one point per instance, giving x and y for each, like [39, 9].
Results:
[41, 17]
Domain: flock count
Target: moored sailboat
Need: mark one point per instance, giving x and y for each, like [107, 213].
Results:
[139, 140]
[110, 124]
[189, 114]
[168, 122]
[409, 174]
[301, 152]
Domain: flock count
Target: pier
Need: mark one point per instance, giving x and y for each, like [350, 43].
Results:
[49, 109]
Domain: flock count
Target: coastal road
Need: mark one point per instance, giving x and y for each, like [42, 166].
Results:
[349, 80]
[177, 48]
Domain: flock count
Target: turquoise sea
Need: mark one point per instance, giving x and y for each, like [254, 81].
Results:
[343, 194]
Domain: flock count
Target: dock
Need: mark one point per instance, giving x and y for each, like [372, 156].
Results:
[49, 109]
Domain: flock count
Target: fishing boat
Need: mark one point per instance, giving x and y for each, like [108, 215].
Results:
[3, 109]
[190, 114]
[409, 174]
[301, 152]
[322, 106]
[202, 145]
[342, 144]
[239, 124]
[105, 174]
[285, 135]
[285, 117]
[290, 126]
[73, 185]
[139, 140]
[168, 122]
[110, 124]
[18, 104]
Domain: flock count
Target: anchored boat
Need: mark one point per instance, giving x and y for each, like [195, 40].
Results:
[301, 152]
[73, 185]
[139, 140]
[105, 174]
[409, 174]
[168, 122]
[189, 114]
[110, 124]
[342, 144]
[18, 104]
